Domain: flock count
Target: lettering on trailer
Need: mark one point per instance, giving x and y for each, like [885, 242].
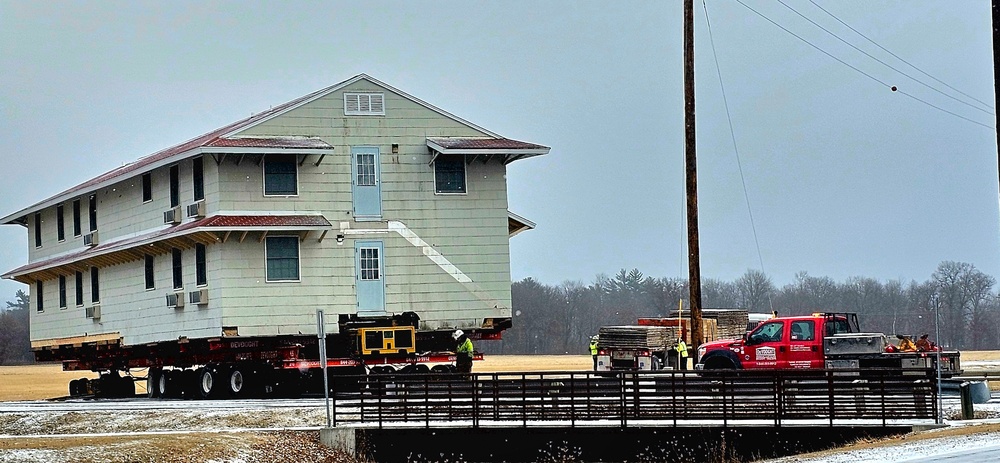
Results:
[243, 344]
[766, 353]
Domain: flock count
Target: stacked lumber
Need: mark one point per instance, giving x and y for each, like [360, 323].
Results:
[730, 323]
[638, 337]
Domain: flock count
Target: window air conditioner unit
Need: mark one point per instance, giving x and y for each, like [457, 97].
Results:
[90, 239]
[199, 297]
[175, 300]
[196, 209]
[94, 311]
[172, 216]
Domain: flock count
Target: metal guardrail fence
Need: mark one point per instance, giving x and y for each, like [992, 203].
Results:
[624, 398]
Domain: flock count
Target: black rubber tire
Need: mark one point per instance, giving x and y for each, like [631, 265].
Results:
[74, 388]
[210, 382]
[153, 383]
[169, 386]
[421, 369]
[237, 382]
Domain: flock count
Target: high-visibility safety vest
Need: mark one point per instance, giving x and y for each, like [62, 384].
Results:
[465, 348]
[682, 348]
[593, 347]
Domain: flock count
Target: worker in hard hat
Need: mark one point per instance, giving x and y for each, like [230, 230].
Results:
[464, 349]
[593, 349]
[682, 353]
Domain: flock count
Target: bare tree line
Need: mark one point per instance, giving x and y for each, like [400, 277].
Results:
[560, 319]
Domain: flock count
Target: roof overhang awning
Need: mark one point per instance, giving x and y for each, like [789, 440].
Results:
[239, 147]
[485, 149]
[206, 231]
[517, 224]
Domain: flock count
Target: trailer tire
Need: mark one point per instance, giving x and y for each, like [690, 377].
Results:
[153, 383]
[209, 382]
[169, 385]
[237, 384]
[74, 388]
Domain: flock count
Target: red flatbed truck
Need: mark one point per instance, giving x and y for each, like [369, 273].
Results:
[820, 340]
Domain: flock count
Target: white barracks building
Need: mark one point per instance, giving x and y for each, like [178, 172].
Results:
[355, 199]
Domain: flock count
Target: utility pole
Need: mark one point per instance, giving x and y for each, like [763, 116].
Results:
[996, 71]
[691, 163]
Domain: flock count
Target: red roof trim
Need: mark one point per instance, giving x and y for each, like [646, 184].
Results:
[485, 144]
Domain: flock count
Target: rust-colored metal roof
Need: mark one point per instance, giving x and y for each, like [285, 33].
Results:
[274, 142]
[189, 229]
[485, 144]
[237, 221]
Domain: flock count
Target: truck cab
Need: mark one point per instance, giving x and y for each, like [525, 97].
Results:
[784, 342]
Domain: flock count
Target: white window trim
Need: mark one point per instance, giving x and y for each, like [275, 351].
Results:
[63, 217]
[381, 266]
[263, 181]
[75, 202]
[298, 245]
[37, 228]
[364, 113]
[142, 187]
[465, 170]
[62, 292]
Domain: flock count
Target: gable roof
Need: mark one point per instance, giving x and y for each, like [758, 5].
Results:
[221, 139]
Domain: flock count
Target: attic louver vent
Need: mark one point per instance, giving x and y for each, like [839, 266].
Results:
[364, 104]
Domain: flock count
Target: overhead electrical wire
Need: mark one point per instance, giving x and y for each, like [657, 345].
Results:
[880, 61]
[732, 134]
[893, 88]
[986, 104]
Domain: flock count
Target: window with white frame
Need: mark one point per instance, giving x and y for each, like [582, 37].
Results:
[364, 104]
[366, 169]
[449, 175]
[280, 177]
[282, 255]
[369, 264]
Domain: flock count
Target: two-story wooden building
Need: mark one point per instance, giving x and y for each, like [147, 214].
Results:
[358, 199]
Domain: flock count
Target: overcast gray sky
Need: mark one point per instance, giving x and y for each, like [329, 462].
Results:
[844, 176]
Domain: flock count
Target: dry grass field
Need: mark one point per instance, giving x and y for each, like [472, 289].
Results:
[38, 382]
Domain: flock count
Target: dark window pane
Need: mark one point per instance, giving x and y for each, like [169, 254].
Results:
[76, 218]
[62, 291]
[201, 270]
[198, 175]
[60, 224]
[95, 287]
[178, 270]
[150, 278]
[79, 288]
[93, 212]
[147, 187]
[38, 229]
[39, 299]
[280, 177]
[175, 186]
[449, 176]
[282, 258]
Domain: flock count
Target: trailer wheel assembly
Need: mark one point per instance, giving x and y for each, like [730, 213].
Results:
[237, 383]
[153, 382]
[209, 383]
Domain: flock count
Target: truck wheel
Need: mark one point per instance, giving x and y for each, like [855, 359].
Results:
[153, 383]
[719, 363]
[209, 382]
[237, 383]
[168, 387]
[74, 388]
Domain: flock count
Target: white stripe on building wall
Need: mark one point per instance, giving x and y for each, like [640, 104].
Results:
[440, 260]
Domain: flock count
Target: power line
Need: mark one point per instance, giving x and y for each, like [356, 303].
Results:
[732, 134]
[852, 67]
[900, 58]
[878, 60]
